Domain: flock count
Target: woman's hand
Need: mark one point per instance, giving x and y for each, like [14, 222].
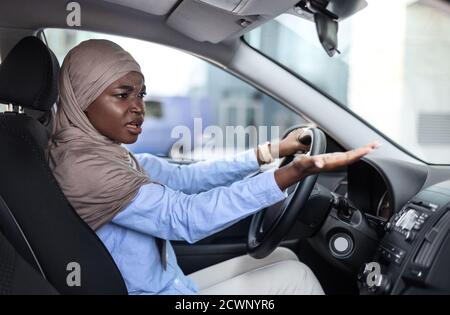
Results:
[304, 165]
[285, 147]
[291, 144]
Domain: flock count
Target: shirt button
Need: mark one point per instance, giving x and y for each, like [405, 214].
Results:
[177, 282]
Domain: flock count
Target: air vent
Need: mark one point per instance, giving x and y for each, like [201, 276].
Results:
[434, 128]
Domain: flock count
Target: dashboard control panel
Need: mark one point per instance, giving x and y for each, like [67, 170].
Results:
[414, 248]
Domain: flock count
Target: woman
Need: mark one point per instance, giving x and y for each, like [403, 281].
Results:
[134, 203]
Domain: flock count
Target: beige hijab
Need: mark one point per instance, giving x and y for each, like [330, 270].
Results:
[98, 176]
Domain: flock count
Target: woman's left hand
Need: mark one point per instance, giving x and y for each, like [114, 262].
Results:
[291, 145]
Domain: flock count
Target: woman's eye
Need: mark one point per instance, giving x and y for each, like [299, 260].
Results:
[142, 94]
[122, 95]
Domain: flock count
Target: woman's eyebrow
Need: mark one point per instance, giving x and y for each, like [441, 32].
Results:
[125, 87]
[129, 88]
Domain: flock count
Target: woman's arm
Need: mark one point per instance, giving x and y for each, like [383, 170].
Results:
[200, 176]
[205, 175]
[160, 211]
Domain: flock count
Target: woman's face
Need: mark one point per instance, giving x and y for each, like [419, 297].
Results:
[118, 113]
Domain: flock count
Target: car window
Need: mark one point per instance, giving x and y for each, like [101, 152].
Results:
[393, 69]
[185, 92]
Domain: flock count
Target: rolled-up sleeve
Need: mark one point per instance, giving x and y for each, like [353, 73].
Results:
[160, 211]
[200, 176]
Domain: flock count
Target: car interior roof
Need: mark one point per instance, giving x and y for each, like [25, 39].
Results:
[204, 29]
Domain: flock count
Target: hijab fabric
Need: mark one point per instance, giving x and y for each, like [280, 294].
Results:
[98, 176]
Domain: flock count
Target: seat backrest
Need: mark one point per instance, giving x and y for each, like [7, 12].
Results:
[16, 274]
[59, 241]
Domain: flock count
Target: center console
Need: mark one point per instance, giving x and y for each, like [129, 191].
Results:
[414, 254]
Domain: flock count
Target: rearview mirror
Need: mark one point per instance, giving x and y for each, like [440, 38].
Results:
[326, 15]
[327, 30]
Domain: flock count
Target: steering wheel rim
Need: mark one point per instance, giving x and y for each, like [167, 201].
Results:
[270, 225]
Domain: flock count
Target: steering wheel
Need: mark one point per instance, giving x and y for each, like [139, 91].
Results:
[270, 225]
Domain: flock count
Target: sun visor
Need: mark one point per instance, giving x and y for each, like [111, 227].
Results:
[249, 7]
[224, 19]
[156, 7]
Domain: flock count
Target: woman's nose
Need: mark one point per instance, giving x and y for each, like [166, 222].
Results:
[138, 107]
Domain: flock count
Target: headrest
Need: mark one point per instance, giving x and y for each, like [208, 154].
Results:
[29, 75]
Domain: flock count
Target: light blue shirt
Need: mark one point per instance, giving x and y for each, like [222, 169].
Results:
[190, 203]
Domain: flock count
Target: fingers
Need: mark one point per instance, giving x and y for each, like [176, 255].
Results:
[330, 161]
[304, 162]
[303, 139]
[291, 144]
[340, 159]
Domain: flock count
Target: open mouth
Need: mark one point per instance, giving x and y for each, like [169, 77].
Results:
[134, 127]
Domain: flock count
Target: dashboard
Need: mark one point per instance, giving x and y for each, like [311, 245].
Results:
[414, 253]
[399, 235]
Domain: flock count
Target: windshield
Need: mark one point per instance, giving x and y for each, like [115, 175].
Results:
[393, 70]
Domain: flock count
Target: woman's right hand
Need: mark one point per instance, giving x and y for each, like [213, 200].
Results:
[305, 165]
